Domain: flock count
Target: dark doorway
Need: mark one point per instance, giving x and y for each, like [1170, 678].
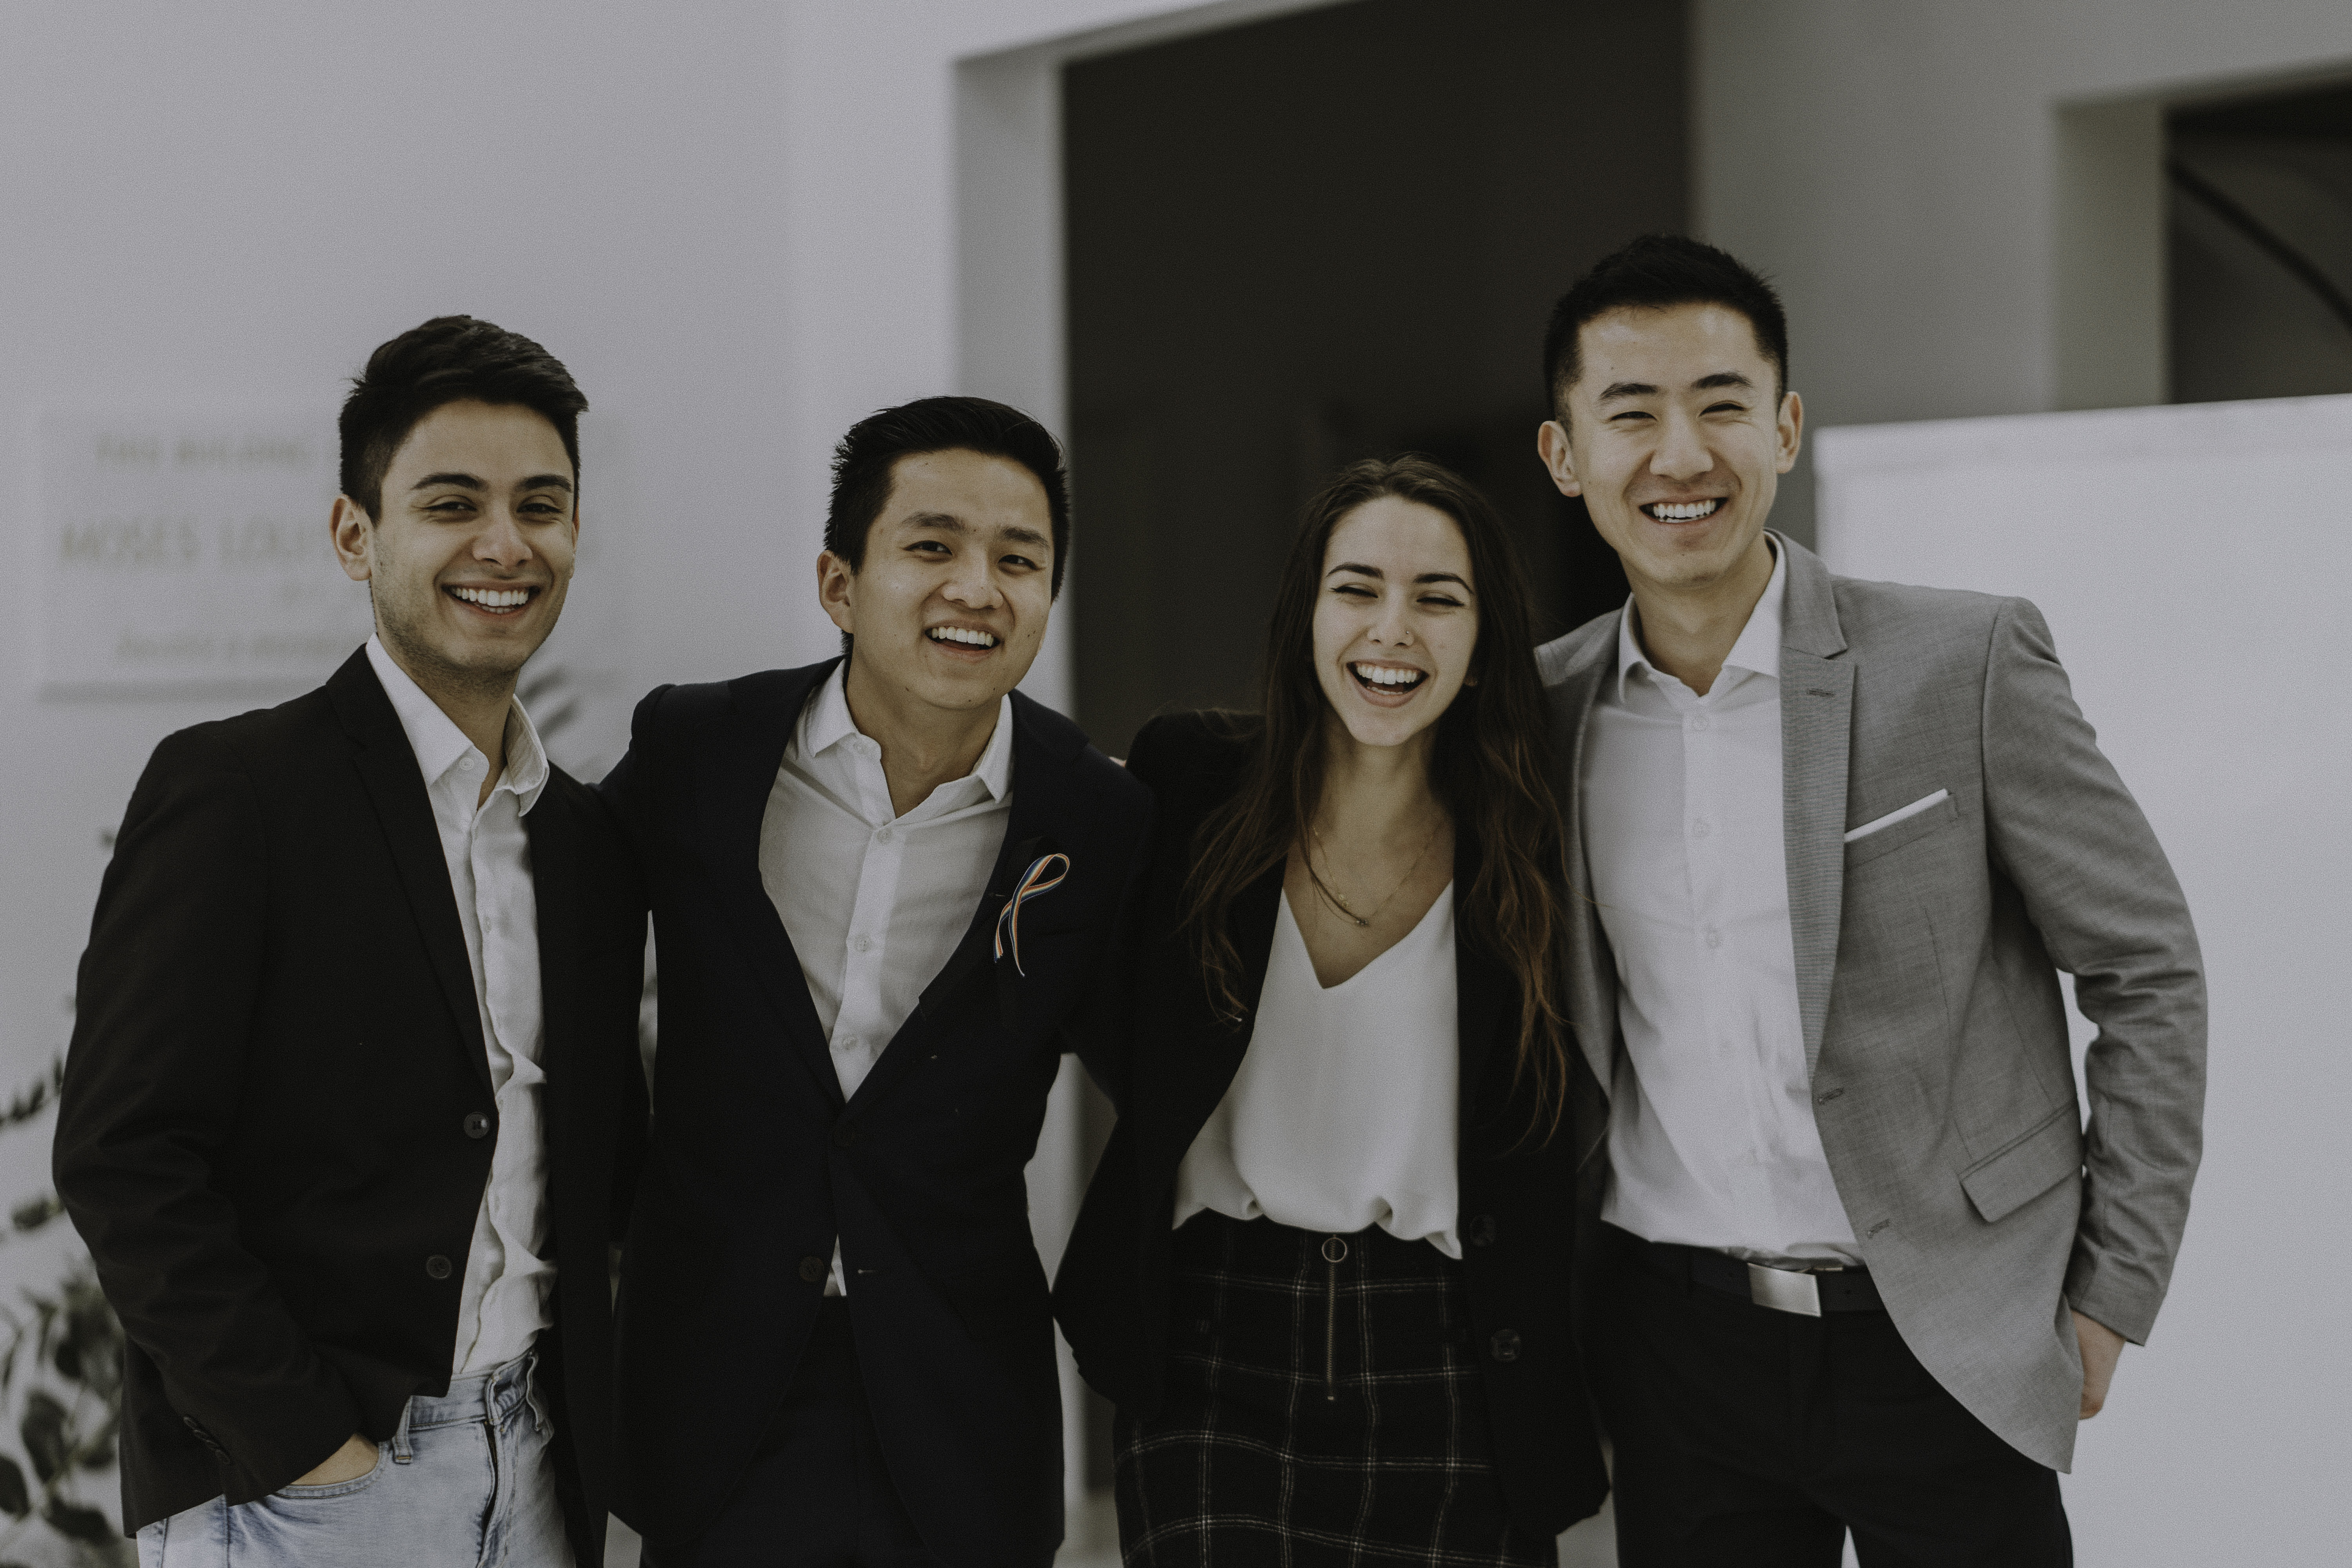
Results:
[1329, 235]
[2261, 247]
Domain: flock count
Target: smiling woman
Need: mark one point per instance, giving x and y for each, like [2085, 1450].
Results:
[1337, 1136]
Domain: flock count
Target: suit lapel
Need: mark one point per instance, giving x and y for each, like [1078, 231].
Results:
[558, 897]
[1482, 987]
[731, 789]
[1816, 730]
[1591, 974]
[395, 787]
[1049, 812]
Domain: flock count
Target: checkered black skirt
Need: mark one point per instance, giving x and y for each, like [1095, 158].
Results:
[1323, 1406]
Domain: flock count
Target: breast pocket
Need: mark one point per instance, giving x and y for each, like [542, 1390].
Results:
[1884, 834]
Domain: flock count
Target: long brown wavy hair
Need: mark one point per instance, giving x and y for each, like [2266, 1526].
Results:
[1490, 765]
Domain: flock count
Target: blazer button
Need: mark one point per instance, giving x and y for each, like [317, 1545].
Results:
[1505, 1344]
[1480, 1231]
[814, 1270]
[437, 1267]
[476, 1124]
[844, 1136]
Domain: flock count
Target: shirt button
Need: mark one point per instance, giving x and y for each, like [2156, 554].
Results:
[437, 1267]
[882, 836]
[861, 943]
[847, 1044]
[1699, 829]
[1699, 721]
[1713, 937]
[467, 764]
[476, 1124]
[1504, 1345]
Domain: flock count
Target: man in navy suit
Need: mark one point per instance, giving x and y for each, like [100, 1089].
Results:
[883, 889]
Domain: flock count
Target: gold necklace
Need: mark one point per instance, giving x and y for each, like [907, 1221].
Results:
[1340, 903]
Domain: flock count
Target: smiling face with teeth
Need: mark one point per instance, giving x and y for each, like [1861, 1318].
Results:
[468, 565]
[1396, 620]
[949, 606]
[1675, 439]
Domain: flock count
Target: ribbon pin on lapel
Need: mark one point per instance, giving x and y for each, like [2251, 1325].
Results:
[1045, 873]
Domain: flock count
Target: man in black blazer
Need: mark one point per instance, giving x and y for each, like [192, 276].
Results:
[353, 1093]
[882, 887]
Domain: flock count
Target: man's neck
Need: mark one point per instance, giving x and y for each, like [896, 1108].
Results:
[1688, 629]
[923, 746]
[478, 706]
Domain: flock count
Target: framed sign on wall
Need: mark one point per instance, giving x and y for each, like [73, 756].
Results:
[178, 553]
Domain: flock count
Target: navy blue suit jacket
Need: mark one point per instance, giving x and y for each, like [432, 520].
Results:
[758, 1164]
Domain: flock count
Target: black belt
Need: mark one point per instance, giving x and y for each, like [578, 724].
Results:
[1808, 1292]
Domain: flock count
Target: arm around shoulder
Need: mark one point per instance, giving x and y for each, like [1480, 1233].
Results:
[2101, 894]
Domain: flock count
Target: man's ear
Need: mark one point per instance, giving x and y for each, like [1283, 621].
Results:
[1551, 446]
[835, 578]
[354, 539]
[1791, 430]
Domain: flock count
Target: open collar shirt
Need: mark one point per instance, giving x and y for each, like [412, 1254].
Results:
[1712, 1140]
[504, 1301]
[875, 902]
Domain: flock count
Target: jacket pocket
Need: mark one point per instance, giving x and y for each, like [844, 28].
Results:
[2000, 1183]
[1930, 819]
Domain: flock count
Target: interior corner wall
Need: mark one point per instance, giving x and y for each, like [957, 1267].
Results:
[1899, 167]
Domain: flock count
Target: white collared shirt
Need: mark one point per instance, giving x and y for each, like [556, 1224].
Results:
[1712, 1140]
[875, 902]
[506, 1298]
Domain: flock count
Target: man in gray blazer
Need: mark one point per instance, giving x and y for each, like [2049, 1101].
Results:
[1857, 1261]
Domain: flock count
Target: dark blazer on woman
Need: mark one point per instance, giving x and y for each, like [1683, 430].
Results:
[759, 1165]
[277, 1121]
[1518, 1189]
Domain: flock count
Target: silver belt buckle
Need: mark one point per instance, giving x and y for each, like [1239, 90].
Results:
[1784, 1291]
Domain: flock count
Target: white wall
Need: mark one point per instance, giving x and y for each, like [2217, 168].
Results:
[2201, 617]
[1921, 175]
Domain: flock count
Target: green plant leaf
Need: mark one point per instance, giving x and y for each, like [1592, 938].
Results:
[14, 1500]
[44, 1431]
[77, 1523]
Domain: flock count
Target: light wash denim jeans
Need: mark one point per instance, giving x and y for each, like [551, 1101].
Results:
[467, 1481]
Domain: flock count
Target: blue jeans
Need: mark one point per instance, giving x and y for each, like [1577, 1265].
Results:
[467, 1481]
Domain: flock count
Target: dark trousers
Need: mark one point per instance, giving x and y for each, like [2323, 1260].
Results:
[817, 1495]
[1749, 1436]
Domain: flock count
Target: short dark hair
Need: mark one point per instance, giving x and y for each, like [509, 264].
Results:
[1654, 272]
[450, 358]
[865, 461]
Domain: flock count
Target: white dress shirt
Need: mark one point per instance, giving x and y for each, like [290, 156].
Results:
[1342, 1114]
[1711, 1134]
[875, 902]
[504, 1301]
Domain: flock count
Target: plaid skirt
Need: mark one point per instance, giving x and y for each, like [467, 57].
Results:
[1322, 1405]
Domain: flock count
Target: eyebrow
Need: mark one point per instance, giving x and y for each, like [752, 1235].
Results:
[1362, 570]
[469, 482]
[1721, 378]
[951, 523]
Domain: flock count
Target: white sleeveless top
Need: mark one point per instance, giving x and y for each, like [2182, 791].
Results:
[1342, 1115]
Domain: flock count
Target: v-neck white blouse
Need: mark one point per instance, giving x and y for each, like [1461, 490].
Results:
[1342, 1115]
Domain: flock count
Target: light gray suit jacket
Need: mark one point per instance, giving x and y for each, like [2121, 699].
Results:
[1927, 957]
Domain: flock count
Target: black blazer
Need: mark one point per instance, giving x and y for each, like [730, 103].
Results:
[1518, 1216]
[269, 1132]
[758, 1164]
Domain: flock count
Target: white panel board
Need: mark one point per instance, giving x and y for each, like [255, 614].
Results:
[187, 552]
[2193, 564]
